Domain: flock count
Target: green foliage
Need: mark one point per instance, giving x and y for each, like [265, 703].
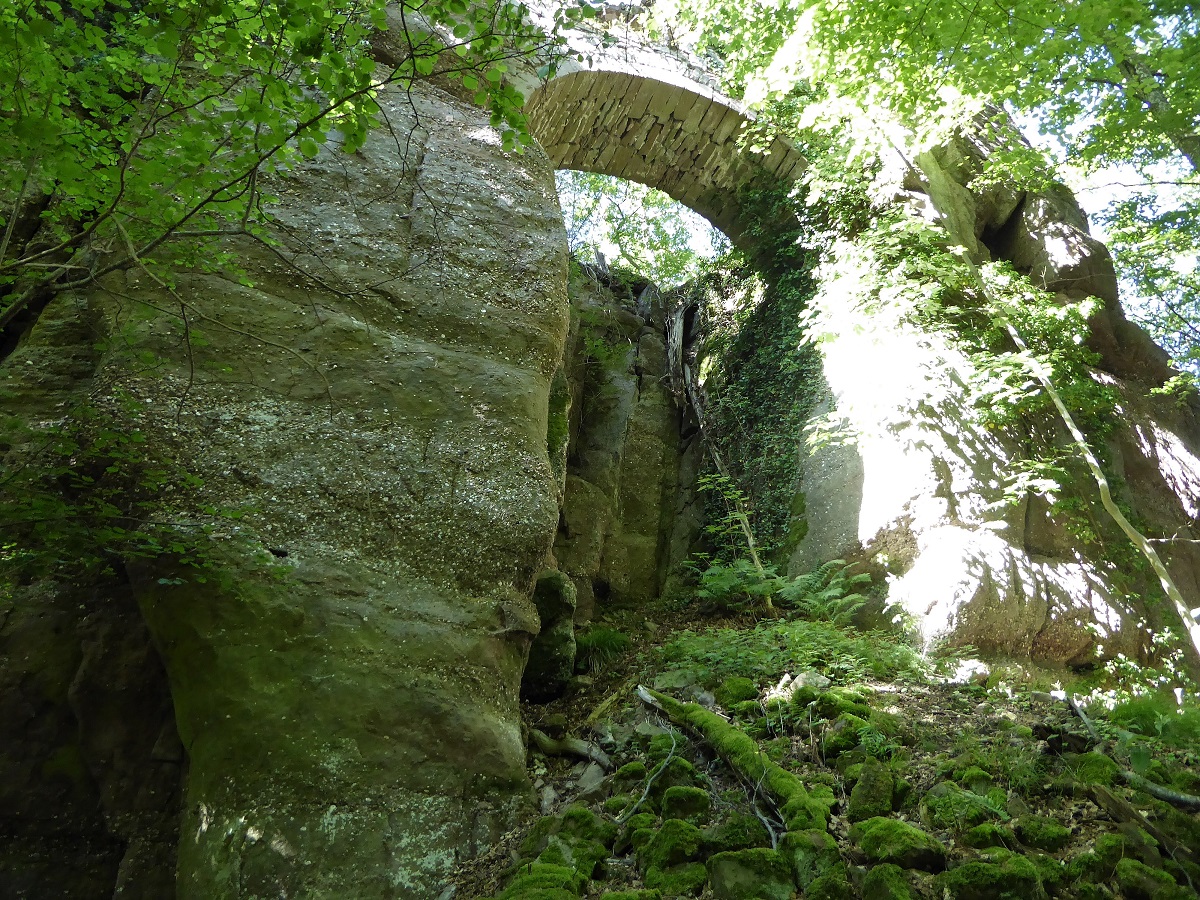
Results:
[650, 233]
[770, 649]
[760, 376]
[1159, 716]
[88, 500]
[598, 646]
[1156, 249]
[826, 593]
[1108, 83]
[138, 127]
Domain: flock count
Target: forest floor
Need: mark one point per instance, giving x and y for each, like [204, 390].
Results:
[921, 780]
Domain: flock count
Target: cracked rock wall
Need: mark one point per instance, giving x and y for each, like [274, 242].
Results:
[345, 678]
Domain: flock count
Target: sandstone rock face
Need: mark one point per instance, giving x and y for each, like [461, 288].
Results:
[345, 678]
[623, 469]
[919, 494]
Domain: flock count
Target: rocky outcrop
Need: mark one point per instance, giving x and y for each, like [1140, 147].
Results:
[920, 492]
[345, 667]
[623, 477]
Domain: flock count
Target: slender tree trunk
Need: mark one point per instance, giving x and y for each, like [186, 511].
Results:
[1141, 84]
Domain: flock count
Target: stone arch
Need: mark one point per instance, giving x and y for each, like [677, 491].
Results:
[662, 129]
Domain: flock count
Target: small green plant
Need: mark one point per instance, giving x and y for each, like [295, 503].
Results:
[826, 593]
[734, 586]
[875, 743]
[770, 649]
[599, 646]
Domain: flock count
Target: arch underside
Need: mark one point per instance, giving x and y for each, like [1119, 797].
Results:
[684, 140]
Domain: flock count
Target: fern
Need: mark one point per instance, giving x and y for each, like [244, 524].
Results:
[826, 593]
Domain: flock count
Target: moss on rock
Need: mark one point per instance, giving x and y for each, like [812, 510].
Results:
[1140, 882]
[886, 840]
[948, 806]
[1001, 875]
[831, 886]
[1094, 768]
[580, 822]
[886, 882]
[746, 874]
[674, 843]
[629, 775]
[1099, 863]
[872, 793]
[989, 834]
[739, 831]
[540, 881]
[736, 690]
[742, 752]
[689, 803]
[809, 854]
[678, 881]
[1042, 833]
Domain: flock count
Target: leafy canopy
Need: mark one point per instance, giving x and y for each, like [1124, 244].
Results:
[642, 228]
[125, 124]
[1111, 83]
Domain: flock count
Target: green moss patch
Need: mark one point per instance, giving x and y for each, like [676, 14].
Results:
[679, 881]
[736, 690]
[1042, 833]
[872, 794]
[746, 874]
[892, 841]
[675, 843]
[689, 803]
[886, 882]
[1002, 875]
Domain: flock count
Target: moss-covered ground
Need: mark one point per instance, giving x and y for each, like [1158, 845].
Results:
[912, 784]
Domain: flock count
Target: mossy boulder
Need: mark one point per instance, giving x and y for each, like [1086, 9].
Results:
[833, 885]
[809, 854]
[989, 834]
[736, 690]
[678, 881]
[738, 831]
[629, 776]
[689, 803]
[638, 822]
[661, 746]
[885, 840]
[839, 701]
[1052, 872]
[631, 895]
[676, 772]
[674, 843]
[947, 806]
[886, 882]
[976, 780]
[747, 709]
[872, 794]
[1099, 863]
[841, 735]
[1042, 833]
[757, 874]
[618, 803]
[1140, 882]
[581, 855]
[1001, 875]
[580, 822]
[539, 881]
